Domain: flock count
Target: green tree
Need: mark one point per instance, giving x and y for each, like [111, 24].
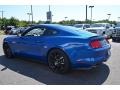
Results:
[23, 23]
[40, 22]
[13, 21]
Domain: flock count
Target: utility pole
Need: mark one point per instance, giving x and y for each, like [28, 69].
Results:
[109, 16]
[86, 13]
[49, 8]
[49, 15]
[2, 13]
[2, 18]
[29, 17]
[32, 13]
[91, 11]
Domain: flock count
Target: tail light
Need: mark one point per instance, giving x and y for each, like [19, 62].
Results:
[95, 44]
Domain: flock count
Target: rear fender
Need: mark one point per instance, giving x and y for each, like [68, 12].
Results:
[72, 48]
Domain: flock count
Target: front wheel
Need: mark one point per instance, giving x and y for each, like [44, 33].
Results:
[58, 61]
[7, 51]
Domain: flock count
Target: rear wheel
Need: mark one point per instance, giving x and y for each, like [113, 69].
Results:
[7, 51]
[58, 61]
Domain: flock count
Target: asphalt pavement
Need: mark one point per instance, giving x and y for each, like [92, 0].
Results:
[19, 71]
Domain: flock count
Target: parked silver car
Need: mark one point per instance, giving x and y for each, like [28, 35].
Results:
[101, 29]
[82, 26]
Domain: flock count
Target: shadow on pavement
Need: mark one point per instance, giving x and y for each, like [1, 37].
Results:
[41, 73]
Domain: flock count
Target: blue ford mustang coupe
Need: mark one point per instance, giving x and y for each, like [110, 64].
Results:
[61, 47]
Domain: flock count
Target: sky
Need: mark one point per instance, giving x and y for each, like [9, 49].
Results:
[59, 12]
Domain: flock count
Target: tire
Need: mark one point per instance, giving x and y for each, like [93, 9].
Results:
[7, 51]
[58, 61]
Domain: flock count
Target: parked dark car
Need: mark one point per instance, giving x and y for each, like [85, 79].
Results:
[8, 30]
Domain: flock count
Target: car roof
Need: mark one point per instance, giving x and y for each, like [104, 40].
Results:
[57, 27]
[68, 30]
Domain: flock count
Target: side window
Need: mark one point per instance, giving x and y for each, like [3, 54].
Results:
[87, 26]
[35, 32]
[49, 32]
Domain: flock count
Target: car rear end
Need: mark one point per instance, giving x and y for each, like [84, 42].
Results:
[96, 51]
[84, 49]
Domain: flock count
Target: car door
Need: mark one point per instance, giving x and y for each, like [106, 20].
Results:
[31, 43]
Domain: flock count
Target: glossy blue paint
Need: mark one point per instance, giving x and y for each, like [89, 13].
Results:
[74, 42]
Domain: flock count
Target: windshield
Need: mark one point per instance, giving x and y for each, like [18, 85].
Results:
[78, 26]
[97, 25]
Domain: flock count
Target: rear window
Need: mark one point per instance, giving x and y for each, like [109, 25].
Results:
[76, 31]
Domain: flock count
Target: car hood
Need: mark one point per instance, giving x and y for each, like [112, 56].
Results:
[94, 28]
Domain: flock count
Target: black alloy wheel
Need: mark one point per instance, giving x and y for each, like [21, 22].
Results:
[58, 61]
[7, 51]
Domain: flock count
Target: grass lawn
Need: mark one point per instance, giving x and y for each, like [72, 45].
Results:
[1, 32]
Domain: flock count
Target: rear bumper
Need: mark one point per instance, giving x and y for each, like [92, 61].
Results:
[88, 63]
[89, 59]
